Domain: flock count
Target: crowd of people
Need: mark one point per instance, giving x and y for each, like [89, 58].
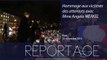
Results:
[51, 36]
[30, 31]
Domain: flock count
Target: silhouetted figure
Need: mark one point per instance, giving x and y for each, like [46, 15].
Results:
[32, 36]
[35, 32]
[23, 31]
[38, 33]
[5, 32]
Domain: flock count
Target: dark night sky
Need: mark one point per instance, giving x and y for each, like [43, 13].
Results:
[45, 10]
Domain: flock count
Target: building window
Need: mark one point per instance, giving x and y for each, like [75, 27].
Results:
[1, 15]
[3, 12]
[4, 16]
[8, 17]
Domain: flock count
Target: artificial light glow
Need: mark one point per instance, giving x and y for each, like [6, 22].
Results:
[10, 29]
[32, 21]
[1, 15]
[3, 22]
[2, 29]
[37, 41]
[10, 33]
[15, 20]
[43, 36]
[8, 17]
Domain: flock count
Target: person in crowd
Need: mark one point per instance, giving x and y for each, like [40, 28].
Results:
[33, 32]
[23, 31]
[5, 32]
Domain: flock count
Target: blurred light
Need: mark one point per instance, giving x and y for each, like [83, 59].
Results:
[10, 28]
[10, 33]
[51, 25]
[1, 15]
[3, 12]
[43, 36]
[53, 41]
[49, 40]
[45, 41]
[32, 21]
[30, 26]
[37, 41]
[14, 32]
[14, 27]
[2, 29]
[8, 17]
[27, 16]
[15, 20]
[3, 22]
[12, 15]
[38, 22]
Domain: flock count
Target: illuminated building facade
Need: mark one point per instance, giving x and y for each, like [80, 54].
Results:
[8, 18]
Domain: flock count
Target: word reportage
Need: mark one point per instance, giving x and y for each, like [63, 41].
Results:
[62, 50]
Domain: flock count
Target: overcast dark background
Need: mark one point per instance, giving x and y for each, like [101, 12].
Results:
[48, 10]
